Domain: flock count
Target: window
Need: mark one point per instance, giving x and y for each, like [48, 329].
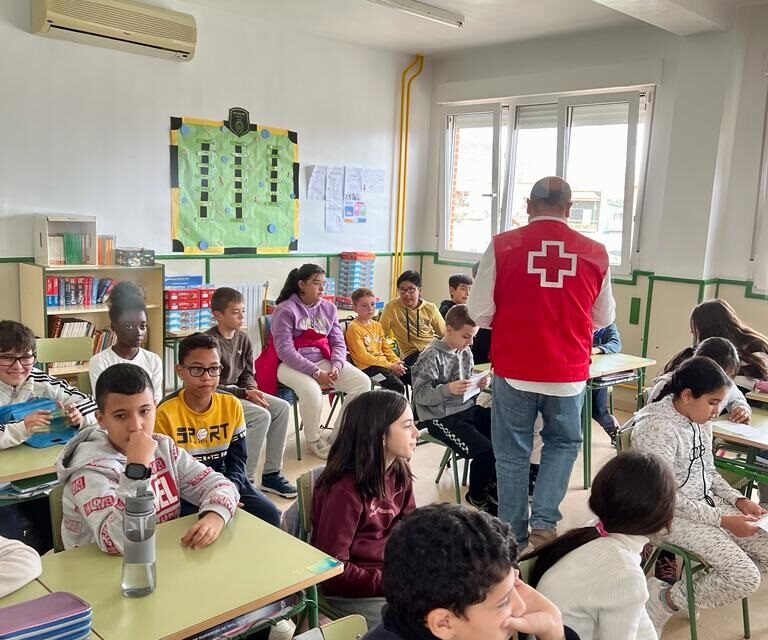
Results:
[597, 142]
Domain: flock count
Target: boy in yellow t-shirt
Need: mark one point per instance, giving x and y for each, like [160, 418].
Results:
[368, 346]
[209, 424]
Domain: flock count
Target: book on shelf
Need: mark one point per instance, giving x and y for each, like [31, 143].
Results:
[69, 248]
[60, 327]
[81, 291]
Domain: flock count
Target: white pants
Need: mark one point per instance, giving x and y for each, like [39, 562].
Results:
[351, 381]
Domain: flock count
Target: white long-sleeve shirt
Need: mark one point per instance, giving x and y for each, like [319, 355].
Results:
[601, 590]
[482, 308]
[19, 564]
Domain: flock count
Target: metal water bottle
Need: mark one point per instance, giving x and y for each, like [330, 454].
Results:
[139, 521]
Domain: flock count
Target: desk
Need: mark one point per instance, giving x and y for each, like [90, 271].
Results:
[22, 462]
[249, 566]
[28, 592]
[606, 365]
[759, 421]
[758, 396]
[749, 469]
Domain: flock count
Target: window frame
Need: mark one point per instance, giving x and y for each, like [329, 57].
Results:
[446, 169]
[504, 176]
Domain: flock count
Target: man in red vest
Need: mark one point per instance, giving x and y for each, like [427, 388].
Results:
[543, 289]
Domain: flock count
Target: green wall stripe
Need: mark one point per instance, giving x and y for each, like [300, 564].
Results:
[647, 326]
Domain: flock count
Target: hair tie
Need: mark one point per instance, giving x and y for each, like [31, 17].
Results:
[601, 529]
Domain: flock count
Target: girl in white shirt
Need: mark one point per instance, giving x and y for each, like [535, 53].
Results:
[128, 316]
[594, 574]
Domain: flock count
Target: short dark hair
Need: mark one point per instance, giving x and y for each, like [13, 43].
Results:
[197, 341]
[125, 297]
[550, 192]
[124, 378]
[459, 278]
[410, 276]
[458, 316]
[16, 337]
[700, 375]
[634, 494]
[359, 446]
[721, 350]
[223, 296]
[445, 556]
[362, 293]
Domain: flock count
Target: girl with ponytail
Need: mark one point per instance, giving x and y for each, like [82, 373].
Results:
[633, 496]
[307, 352]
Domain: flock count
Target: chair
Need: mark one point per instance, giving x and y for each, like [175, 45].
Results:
[305, 486]
[692, 564]
[289, 395]
[56, 506]
[59, 350]
[450, 458]
[351, 627]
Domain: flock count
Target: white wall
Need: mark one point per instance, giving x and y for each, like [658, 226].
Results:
[705, 147]
[85, 130]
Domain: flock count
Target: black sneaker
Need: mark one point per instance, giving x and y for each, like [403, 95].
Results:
[482, 505]
[277, 484]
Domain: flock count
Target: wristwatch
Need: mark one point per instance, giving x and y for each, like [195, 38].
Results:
[136, 471]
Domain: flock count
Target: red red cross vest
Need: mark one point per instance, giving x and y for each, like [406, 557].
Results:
[548, 276]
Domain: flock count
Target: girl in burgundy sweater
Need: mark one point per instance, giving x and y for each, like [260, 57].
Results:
[363, 493]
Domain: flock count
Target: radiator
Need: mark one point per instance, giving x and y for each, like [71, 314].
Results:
[254, 294]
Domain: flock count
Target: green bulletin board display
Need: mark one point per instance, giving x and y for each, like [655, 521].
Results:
[234, 186]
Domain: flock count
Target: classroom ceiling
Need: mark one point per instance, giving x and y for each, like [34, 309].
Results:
[486, 21]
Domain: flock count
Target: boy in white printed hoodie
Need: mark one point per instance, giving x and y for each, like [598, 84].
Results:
[100, 467]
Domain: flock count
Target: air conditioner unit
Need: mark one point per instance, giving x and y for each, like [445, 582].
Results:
[118, 24]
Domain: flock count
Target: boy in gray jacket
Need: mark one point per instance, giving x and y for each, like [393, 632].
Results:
[444, 402]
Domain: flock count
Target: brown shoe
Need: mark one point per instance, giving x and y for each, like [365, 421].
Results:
[540, 537]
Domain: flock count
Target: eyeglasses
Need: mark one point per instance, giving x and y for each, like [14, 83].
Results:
[7, 360]
[197, 372]
[408, 290]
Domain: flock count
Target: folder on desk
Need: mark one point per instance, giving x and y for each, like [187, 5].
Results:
[57, 616]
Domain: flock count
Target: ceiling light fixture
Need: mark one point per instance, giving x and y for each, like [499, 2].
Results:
[423, 10]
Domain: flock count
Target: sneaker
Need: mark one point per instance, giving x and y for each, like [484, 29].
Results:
[540, 537]
[283, 630]
[276, 483]
[657, 608]
[482, 505]
[666, 568]
[319, 448]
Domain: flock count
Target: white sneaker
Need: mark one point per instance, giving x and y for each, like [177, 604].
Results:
[319, 448]
[283, 630]
[657, 608]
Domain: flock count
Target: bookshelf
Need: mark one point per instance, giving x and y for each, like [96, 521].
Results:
[38, 315]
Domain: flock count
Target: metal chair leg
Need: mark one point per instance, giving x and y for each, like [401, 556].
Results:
[466, 473]
[456, 485]
[297, 427]
[443, 464]
[688, 569]
[745, 615]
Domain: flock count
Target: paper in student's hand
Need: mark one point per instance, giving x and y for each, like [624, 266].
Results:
[474, 385]
[763, 522]
[379, 377]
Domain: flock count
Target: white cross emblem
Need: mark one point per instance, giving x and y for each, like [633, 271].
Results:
[552, 266]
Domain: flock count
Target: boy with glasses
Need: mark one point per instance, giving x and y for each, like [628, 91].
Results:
[209, 424]
[412, 321]
[20, 381]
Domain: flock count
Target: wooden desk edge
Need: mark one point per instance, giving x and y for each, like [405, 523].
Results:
[254, 605]
[735, 438]
[30, 473]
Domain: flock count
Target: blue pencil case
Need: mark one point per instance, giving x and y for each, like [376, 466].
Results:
[56, 616]
[59, 431]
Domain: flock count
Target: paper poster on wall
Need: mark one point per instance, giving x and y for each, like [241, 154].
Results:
[234, 186]
[373, 180]
[334, 184]
[353, 183]
[334, 217]
[354, 212]
[316, 187]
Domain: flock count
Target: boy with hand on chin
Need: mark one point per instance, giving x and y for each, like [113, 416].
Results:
[476, 594]
[100, 467]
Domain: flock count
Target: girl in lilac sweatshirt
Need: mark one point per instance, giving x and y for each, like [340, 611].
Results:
[310, 347]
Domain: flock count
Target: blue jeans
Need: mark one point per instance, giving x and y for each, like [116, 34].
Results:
[514, 413]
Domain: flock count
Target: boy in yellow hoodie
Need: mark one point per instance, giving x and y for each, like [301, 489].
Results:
[414, 322]
[368, 346]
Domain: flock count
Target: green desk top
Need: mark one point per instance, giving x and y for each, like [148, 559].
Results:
[250, 565]
[759, 421]
[28, 592]
[603, 365]
[22, 462]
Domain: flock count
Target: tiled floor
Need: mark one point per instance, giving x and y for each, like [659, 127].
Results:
[715, 624]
